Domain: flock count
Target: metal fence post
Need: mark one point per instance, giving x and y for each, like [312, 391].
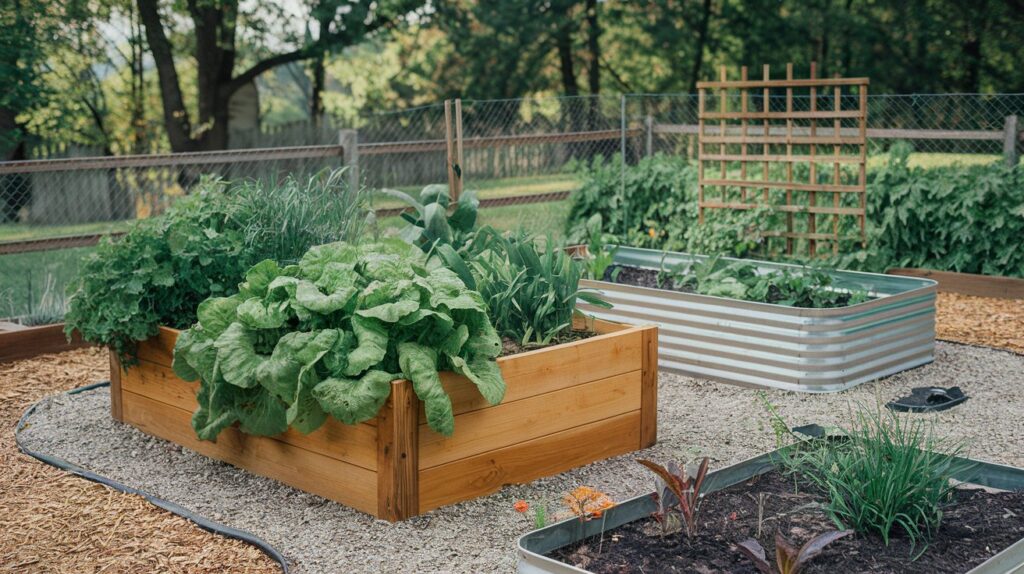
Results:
[1010, 141]
[349, 140]
[622, 171]
[649, 132]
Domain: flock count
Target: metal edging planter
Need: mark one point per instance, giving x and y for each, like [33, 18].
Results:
[768, 345]
[531, 548]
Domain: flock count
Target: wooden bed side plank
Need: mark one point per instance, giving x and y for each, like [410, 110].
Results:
[398, 454]
[25, 343]
[535, 373]
[306, 470]
[116, 372]
[355, 444]
[520, 463]
[158, 349]
[490, 429]
[649, 389]
[968, 283]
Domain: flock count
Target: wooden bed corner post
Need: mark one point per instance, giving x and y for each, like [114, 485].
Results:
[116, 409]
[398, 454]
[649, 389]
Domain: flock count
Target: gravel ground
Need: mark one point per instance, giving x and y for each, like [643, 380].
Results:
[696, 418]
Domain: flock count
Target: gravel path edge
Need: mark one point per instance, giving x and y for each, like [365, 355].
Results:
[76, 470]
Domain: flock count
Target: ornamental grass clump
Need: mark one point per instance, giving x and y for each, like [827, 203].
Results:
[328, 336]
[885, 476]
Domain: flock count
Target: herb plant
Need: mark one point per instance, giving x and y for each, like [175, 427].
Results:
[164, 267]
[158, 272]
[282, 219]
[887, 475]
[788, 558]
[679, 491]
[329, 335]
[531, 292]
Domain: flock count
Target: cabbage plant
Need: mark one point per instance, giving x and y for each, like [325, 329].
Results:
[328, 336]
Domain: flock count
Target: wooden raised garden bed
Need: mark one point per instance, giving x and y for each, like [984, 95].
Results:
[565, 406]
[18, 342]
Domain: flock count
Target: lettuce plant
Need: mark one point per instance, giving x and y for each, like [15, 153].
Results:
[328, 336]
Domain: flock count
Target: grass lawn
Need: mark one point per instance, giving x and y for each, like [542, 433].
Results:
[495, 188]
[22, 232]
[28, 278]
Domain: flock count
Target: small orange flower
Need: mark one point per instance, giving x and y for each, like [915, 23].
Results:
[652, 233]
[521, 506]
[587, 502]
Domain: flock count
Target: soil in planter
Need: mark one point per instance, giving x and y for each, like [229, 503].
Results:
[511, 347]
[974, 528]
[642, 277]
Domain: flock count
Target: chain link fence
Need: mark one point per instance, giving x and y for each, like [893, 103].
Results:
[523, 157]
[55, 210]
[944, 128]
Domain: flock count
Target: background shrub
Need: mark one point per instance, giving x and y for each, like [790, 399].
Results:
[954, 218]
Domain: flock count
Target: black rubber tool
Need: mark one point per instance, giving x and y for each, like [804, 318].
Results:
[928, 399]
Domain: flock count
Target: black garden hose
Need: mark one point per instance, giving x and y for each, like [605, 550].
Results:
[202, 522]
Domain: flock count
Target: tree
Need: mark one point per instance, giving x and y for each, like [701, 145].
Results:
[214, 45]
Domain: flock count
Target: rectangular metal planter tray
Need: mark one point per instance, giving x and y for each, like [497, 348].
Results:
[768, 345]
[532, 547]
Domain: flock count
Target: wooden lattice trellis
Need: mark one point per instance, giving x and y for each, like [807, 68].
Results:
[815, 147]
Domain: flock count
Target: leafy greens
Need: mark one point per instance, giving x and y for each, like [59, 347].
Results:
[328, 336]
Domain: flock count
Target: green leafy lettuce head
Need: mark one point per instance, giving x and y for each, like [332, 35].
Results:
[328, 336]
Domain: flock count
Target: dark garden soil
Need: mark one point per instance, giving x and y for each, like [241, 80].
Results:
[511, 346]
[640, 277]
[974, 528]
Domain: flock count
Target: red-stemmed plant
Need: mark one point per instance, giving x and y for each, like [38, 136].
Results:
[678, 488]
[788, 558]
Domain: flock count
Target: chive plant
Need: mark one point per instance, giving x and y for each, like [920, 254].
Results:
[885, 476]
[282, 220]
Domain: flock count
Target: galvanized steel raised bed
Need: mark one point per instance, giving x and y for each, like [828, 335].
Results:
[767, 345]
[532, 547]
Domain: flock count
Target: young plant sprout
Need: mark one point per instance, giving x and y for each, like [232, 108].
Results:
[679, 496]
[788, 558]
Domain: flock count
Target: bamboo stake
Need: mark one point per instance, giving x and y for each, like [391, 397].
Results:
[452, 192]
[460, 174]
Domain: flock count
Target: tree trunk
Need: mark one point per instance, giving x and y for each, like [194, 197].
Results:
[563, 41]
[594, 71]
[176, 117]
[316, 102]
[701, 42]
[977, 20]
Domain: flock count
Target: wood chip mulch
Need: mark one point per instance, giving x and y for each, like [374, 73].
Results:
[981, 321]
[51, 521]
